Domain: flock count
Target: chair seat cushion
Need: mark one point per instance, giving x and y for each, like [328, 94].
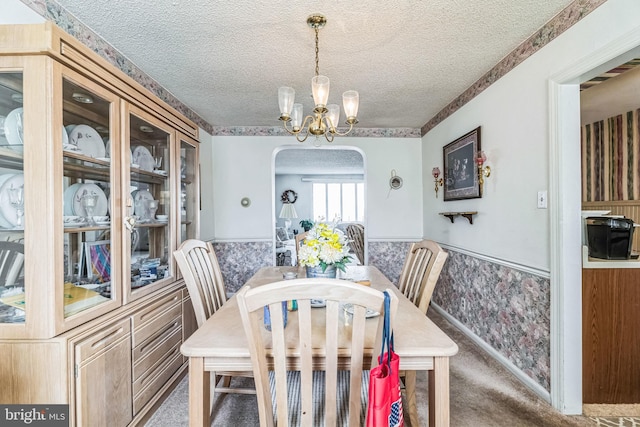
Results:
[293, 383]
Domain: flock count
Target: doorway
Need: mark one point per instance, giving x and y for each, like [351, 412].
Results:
[301, 173]
[565, 218]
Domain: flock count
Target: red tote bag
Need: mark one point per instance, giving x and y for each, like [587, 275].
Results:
[385, 396]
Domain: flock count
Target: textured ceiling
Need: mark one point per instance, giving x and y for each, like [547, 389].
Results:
[226, 60]
[320, 161]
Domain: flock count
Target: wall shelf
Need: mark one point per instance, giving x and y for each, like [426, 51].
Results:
[452, 215]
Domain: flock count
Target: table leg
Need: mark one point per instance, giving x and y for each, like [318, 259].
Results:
[199, 392]
[439, 393]
[410, 390]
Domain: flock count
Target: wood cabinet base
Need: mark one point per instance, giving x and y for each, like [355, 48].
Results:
[610, 338]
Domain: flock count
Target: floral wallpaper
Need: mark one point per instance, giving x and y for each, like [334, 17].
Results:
[507, 308]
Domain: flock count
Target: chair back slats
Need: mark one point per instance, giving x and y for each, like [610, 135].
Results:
[201, 272]
[420, 272]
[343, 335]
[355, 233]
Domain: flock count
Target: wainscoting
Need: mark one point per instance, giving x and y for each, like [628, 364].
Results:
[505, 306]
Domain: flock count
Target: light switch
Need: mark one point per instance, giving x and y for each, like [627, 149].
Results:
[542, 200]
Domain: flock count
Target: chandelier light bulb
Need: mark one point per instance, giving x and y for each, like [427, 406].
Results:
[333, 114]
[320, 90]
[286, 95]
[350, 100]
[296, 116]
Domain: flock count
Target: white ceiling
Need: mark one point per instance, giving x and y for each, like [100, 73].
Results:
[226, 59]
[611, 97]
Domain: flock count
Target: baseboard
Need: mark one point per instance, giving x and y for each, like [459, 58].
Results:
[517, 372]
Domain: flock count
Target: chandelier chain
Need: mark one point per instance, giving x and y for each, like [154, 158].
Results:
[317, 52]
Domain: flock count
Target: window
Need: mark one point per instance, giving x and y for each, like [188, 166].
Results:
[334, 201]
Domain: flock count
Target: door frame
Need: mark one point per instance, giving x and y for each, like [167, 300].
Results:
[565, 220]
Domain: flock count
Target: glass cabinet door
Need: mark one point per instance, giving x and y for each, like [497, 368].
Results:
[150, 214]
[12, 237]
[189, 201]
[89, 194]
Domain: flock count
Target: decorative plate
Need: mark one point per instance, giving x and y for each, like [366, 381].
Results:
[88, 140]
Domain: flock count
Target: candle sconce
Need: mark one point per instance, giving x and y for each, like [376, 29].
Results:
[438, 181]
[483, 171]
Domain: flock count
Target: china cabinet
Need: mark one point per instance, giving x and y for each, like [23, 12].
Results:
[99, 184]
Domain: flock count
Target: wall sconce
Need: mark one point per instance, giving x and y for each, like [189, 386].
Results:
[483, 171]
[439, 182]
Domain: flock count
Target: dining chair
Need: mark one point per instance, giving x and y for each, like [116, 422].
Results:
[299, 238]
[11, 262]
[286, 395]
[355, 233]
[199, 266]
[420, 273]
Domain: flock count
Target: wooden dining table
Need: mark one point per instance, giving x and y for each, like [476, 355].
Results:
[220, 345]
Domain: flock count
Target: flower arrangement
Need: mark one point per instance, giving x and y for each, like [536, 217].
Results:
[324, 246]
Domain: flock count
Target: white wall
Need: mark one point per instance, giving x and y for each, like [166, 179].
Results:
[530, 119]
[513, 113]
[243, 167]
[16, 12]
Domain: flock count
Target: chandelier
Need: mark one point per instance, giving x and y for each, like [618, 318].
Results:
[325, 117]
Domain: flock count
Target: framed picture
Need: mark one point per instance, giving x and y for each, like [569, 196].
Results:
[460, 171]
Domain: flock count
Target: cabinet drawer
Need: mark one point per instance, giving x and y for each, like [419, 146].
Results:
[155, 368]
[98, 342]
[148, 321]
[146, 355]
[165, 371]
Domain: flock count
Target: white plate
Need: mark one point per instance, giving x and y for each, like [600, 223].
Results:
[3, 178]
[370, 313]
[8, 211]
[86, 189]
[161, 172]
[88, 140]
[14, 129]
[103, 222]
[318, 303]
[140, 199]
[67, 198]
[143, 157]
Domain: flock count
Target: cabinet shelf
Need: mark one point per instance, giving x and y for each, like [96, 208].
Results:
[452, 215]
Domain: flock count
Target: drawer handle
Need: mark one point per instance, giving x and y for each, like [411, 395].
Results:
[161, 336]
[159, 308]
[106, 338]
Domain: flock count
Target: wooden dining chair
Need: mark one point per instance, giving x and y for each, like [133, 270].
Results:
[199, 266]
[310, 334]
[418, 279]
[420, 273]
[355, 233]
[299, 238]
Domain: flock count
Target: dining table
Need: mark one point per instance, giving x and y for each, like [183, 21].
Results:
[220, 345]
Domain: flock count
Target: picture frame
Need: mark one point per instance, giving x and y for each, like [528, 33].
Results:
[460, 170]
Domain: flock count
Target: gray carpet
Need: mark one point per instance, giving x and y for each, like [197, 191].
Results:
[483, 393]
